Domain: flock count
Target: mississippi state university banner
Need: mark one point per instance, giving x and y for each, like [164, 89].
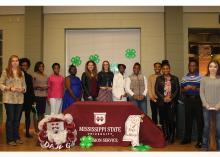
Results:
[105, 121]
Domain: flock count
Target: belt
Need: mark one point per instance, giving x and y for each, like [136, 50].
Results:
[192, 96]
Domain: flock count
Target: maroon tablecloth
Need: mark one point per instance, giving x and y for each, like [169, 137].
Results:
[105, 121]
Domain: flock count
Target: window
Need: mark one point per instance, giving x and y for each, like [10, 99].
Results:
[204, 45]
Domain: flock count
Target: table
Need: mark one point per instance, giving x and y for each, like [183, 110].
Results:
[105, 121]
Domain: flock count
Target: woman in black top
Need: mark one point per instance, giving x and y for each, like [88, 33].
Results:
[89, 82]
[105, 81]
[167, 90]
[29, 95]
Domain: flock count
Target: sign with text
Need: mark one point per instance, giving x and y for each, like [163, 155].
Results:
[100, 126]
[105, 122]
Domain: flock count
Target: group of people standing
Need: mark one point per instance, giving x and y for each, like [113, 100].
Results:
[31, 93]
[200, 94]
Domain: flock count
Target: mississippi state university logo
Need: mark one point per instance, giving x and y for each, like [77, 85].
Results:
[99, 118]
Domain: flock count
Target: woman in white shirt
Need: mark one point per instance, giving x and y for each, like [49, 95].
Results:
[118, 89]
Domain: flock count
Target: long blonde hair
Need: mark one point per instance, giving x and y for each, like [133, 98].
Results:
[9, 68]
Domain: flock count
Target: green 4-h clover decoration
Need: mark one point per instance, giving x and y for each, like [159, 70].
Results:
[76, 61]
[142, 147]
[94, 58]
[114, 67]
[86, 141]
[130, 53]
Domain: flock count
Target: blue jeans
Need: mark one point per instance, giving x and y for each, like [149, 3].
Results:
[13, 112]
[141, 104]
[206, 129]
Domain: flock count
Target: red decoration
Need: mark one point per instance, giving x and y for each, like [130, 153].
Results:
[57, 132]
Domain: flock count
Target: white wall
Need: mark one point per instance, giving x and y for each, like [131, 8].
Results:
[12, 10]
[13, 38]
[101, 9]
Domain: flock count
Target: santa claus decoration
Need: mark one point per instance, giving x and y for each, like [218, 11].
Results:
[57, 131]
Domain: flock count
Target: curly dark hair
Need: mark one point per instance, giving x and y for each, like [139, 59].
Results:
[165, 63]
[71, 66]
[157, 63]
[25, 60]
[55, 64]
[137, 64]
[122, 66]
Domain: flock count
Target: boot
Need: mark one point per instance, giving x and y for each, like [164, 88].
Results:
[165, 130]
[27, 124]
[199, 141]
[172, 132]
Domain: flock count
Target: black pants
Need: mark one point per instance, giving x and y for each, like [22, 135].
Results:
[27, 118]
[154, 112]
[168, 112]
[168, 120]
[41, 105]
[193, 110]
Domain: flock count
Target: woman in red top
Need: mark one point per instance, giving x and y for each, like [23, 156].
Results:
[55, 89]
